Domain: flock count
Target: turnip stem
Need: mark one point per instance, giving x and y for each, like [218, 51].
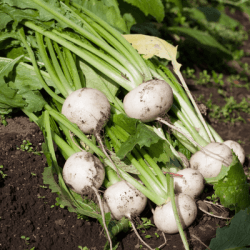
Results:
[123, 136]
[103, 215]
[61, 18]
[152, 181]
[49, 67]
[188, 126]
[131, 54]
[215, 134]
[68, 85]
[99, 140]
[177, 218]
[96, 52]
[85, 55]
[179, 131]
[61, 118]
[62, 61]
[195, 105]
[73, 69]
[36, 69]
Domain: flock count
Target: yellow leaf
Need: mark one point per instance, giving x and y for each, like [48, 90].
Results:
[150, 46]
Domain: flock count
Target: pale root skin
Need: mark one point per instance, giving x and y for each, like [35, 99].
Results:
[164, 218]
[88, 108]
[209, 160]
[122, 199]
[191, 183]
[237, 148]
[149, 100]
[83, 170]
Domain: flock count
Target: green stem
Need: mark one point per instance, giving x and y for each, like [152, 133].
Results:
[66, 150]
[143, 169]
[67, 86]
[215, 134]
[64, 20]
[195, 106]
[176, 215]
[95, 61]
[188, 126]
[96, 52]
[36, 69]
[132, 55]
[73, 69]
[124, 135]
[62, 62]
[49, 66]
[75, 130]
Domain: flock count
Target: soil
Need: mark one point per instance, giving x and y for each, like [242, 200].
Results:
[29, 209]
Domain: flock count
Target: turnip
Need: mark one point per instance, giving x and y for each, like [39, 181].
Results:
[149, 100]
[124, 200]
[210, 159]
[84, 174]
[82, 171]
[164, 217]
[237, 148]
[90, 109]
[191, 183]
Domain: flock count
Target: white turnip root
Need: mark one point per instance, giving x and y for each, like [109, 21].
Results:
[149, 100]
[123, 199]
[84, 174]
[82, 171]
[209, 160]
[164, 218]
[237, 148]
[88, 108]
[191, 183]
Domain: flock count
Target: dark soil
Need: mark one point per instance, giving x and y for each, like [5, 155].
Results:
[28, 208]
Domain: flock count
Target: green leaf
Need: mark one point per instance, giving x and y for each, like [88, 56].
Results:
[108, 11]
[8, 97]
[4, 20]
[128, 124]
[201, 38]
[153, 7]
[20, 85]
[99, 81]
[234, 236]
[233, 189]
[143, 137]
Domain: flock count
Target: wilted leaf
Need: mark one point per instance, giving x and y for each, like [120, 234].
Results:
[151, 46]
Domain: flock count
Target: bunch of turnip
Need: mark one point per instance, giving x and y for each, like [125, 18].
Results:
[151, 95]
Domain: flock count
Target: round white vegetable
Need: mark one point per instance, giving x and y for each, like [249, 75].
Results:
[88, 108]
[123, 199]
[164, 216]
[82, 171]
[237, 148]
[191, 183]
[148, 100]
[210, 159]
